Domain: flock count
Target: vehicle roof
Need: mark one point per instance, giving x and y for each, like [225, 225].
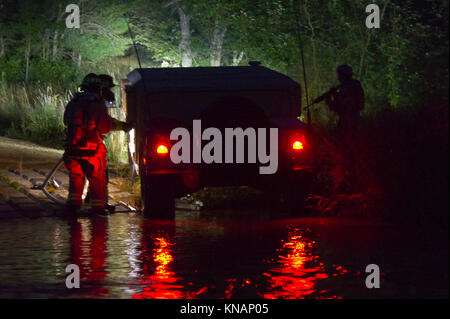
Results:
[227, 77]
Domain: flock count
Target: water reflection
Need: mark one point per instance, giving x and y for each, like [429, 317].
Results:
[298, 269]
[157, 256]
[193, 256]
[140, 257]
[156, 264]
[204, 256]
[88, 250]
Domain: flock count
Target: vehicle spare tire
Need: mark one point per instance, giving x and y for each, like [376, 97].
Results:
[233, 111]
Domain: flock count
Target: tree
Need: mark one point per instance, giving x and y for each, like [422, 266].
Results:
[185, 30]
[102, 32]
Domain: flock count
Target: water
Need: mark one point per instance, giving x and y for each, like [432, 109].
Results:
[218, 254]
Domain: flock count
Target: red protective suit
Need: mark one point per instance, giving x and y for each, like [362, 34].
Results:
[87, 119]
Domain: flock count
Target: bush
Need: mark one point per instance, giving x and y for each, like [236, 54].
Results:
[35, 113]
[43, 125]
[41, 72]
[11, 70]
[396, 167]
[47, 72]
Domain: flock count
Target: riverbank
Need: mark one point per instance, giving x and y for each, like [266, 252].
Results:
[17, 154]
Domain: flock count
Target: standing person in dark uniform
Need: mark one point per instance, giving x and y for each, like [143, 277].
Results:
[347, 101]
[87, 120]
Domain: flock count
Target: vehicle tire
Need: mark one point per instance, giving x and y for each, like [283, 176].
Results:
[158, 197]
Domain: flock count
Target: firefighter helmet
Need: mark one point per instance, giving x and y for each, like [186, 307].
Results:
[106, 80]
[90, 81]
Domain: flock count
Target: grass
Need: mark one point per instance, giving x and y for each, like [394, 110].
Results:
[5, 179]
[35, 113]
[15, 185]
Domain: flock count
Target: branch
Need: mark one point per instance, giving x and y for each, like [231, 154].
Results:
[171, 3]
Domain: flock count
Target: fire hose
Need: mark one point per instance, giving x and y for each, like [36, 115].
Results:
[49, 179]
[53, 182]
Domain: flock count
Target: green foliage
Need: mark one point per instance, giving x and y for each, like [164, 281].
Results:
[43, 126]
[33, 114]
[41, 71]
[53, 73]
[103, 32]
[10, 70]
[15, 185]
[402, 63]
[117, 146]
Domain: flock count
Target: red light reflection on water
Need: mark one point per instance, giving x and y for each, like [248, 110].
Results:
[159, 278]
[297, 270]
[88, 250]
[162, 257]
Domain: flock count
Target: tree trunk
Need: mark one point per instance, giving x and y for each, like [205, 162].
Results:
[79, 60]
[366, 46]
[217, 43]
[45, 45]
[185, 41]
[313, 41]
[237, 58]
[2, 47]
[27, 59]
[55, 45]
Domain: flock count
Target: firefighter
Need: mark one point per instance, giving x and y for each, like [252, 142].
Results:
[347, 101]
[107, 83]
[87, 120]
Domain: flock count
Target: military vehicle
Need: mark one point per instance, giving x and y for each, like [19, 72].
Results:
[159, 100]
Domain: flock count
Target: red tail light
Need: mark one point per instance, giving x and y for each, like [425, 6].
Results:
[297, 145]
[162, 149]
[297, 142]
